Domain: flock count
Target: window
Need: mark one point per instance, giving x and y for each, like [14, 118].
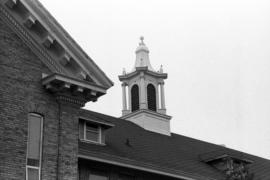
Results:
[135, 98]
[93, 130]
[151, 97]
[90, 132]
[34, 146]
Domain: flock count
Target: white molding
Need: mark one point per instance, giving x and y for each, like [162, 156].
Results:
[82, 84]
[147, 112]
[32, 167]
[97, 122]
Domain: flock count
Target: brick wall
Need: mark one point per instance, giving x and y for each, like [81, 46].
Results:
[21, 92]
[68, 142]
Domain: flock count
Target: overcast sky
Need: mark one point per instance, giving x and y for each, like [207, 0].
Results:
[216, 54]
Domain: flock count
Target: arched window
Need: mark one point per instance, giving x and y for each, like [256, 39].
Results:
[135, 98]
[151, 97]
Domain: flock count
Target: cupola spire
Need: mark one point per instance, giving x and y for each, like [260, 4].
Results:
[142, 56]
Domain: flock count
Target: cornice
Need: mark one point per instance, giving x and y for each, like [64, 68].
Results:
[71, 100]
[142, 70]
[54, 46]
[29, 41]
[72, 90]
[67, 42]
[72, 81]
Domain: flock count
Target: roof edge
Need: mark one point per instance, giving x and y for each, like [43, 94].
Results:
[53, 33]
[143, 168]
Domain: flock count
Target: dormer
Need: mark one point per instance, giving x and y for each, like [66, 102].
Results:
[233, 167]
[93, 131]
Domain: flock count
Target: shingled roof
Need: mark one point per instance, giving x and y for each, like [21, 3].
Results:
[129, 145]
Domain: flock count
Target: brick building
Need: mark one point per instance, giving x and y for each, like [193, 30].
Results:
[46, 79]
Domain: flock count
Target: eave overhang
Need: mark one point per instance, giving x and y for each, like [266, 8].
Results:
[82, 90]
[133, 164]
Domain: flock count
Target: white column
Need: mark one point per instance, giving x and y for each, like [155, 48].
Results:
[162, 95]
[142, 92]
[124, 96]
[157, 96]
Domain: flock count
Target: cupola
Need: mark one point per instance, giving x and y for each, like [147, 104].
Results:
[143, 94]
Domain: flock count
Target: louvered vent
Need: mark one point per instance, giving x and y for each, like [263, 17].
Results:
[151, 97]
[135, 98]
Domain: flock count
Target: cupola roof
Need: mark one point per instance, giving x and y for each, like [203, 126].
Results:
[142, 56]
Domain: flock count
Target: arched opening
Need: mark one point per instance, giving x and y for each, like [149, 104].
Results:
[135, 98]
[151, 97]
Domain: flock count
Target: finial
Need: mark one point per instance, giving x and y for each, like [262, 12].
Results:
[161, 69]
[124, 71]
[141, 38]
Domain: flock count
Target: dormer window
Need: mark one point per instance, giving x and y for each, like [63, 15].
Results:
[93, 131]
[235, 168]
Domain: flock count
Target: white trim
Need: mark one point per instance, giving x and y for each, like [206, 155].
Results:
[139, 168]
[32, 167]
[96, 122]
[92, 142]
[147, 112]
[138, 70]
[73, 81]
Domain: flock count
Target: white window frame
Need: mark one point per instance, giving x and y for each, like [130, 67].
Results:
[40, 152]
[99, 134]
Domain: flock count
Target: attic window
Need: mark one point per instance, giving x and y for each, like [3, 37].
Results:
[93, 131]
[234, 168]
